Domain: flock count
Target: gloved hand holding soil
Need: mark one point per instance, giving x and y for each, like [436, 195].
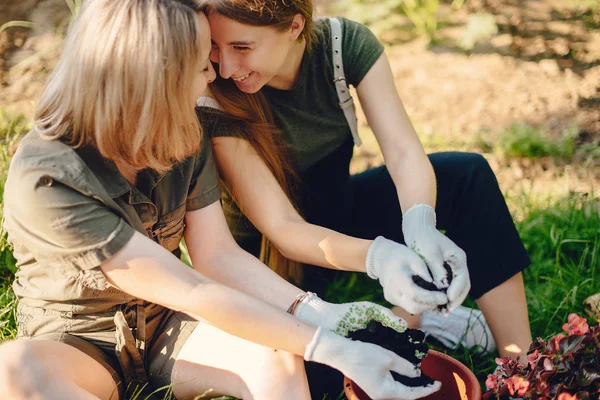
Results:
[422, 283]
[409, 345]
[371, 323]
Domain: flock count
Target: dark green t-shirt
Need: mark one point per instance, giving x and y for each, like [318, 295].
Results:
[313, 125]
[309, 115]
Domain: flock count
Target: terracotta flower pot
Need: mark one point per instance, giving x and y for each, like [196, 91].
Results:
[458, 382]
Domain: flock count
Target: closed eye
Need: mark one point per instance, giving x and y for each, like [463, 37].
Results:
[207, 66]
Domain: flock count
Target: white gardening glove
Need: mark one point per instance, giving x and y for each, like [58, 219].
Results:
[347, 317]
[395, 265]
[368, 365]
[421, 235]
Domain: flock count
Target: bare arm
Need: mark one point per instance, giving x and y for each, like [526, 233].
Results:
[404, 156]
[215, 254]
[269, 209]
[146, 270]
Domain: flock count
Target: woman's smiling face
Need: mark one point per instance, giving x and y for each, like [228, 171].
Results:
[253, 56]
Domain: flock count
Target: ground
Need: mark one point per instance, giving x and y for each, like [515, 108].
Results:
[541, 68]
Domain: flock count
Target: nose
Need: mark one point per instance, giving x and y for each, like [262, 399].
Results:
[227, 63]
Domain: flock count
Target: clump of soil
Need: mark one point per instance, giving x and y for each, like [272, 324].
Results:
[409, 345]
[431, 287]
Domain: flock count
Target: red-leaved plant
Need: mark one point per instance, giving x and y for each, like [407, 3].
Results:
[564, 367]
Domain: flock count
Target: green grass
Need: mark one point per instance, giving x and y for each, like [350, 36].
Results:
[527, 141]
[11, 129]
[516, 141]
[8, 327]
[383, 16]
[562, 237]
[564, 243]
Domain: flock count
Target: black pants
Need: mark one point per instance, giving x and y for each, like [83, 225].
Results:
[470, 208]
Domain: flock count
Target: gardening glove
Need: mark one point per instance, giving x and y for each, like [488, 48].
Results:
[345, 318]
[396, 266]
[368, 365]
[421, 235]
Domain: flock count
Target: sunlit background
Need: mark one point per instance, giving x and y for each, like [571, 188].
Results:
[515, 80]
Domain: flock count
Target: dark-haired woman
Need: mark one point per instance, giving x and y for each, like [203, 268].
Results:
[283, 147]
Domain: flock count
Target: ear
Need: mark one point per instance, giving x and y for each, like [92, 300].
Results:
[297, 26]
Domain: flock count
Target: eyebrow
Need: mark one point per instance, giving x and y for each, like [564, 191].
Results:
[237, 43]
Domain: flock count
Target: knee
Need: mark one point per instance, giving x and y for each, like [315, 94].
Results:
[471, 168]
[12, 355]
[470, 162]
[286, 378]
[479, 166]
[15, 371]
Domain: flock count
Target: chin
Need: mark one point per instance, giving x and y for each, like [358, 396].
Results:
[254, 86]
[248, 90]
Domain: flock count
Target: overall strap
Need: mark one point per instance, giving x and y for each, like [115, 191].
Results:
[339, 79]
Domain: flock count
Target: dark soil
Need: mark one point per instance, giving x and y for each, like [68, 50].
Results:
[409, 345]
[431, 287]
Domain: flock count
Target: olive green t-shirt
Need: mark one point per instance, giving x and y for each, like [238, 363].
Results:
[68, 210]
[309, 114]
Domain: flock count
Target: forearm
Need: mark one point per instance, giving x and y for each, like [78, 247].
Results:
[238, 269]
[215, 253]
[272, 213]
[316, 245]
[251, 319]
[404, 156]
[147, 271]
[413, 177]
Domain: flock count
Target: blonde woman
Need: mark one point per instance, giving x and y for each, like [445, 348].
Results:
[98, 197]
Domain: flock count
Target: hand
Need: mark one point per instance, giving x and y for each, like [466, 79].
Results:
[368, 365]
[345, 318]
[395, 265]
[421, 235]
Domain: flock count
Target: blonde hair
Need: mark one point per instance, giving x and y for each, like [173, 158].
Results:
[124, 82]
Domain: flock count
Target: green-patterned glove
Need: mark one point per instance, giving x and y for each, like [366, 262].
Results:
[347, 317]
[372, 367]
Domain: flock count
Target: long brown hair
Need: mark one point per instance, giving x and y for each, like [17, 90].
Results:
[255, 119]
[259, 127]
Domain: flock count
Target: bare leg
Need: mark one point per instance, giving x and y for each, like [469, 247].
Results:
[505, 302]
[227, 365]
[44, 369]
[505, 309]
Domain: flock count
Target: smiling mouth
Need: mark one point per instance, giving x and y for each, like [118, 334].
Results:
[242, 78]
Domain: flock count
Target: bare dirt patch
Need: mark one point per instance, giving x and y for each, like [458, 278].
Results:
[542, 68]
[27, 55]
